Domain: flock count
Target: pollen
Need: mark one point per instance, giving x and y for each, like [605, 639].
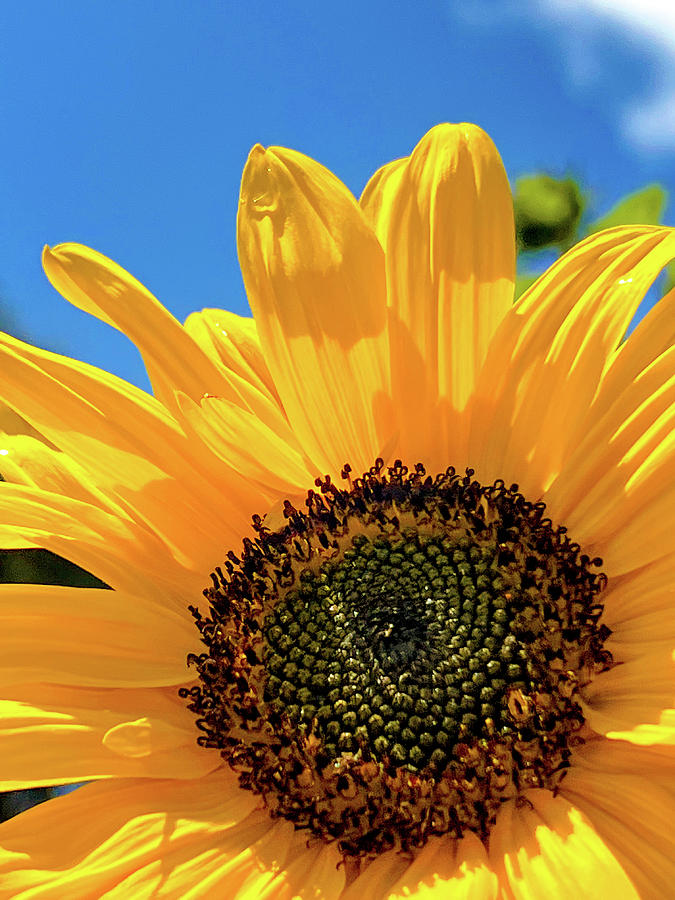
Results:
[399, 659]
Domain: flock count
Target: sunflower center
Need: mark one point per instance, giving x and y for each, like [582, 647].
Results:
[401, 659]
[404, 645]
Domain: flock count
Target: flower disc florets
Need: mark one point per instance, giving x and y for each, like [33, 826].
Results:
[400, 659]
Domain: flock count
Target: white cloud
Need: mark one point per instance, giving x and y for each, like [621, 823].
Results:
[581, 27]
[655, 19]
[648, 122]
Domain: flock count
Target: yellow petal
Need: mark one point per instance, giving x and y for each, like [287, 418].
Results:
[376, 877]
[444, 867]
[232, 343]
[445, 219]
[632, 595]
[53, 734]
[536, 390]
[621, 758]
[88, 636]
[133, 450]
[635, 701]
[113, 548]
[311, 870]
[314, 275]
[97, 285]
[633, 638]
[148, 838]
[380, 196]
[653, 336]
[641, 522]
[247, 444]
[545, 847]
[448, 867]
[628, 794]
[174, 360]
[253, 859]
[599, 469]
[152, 839]
[142, 737]
[27, 460]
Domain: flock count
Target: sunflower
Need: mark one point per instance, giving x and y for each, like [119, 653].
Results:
[389, 605]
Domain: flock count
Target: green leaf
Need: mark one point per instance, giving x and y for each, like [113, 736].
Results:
[643, 207]
[547, 211]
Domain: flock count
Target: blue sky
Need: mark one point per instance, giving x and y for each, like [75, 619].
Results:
[126, 125]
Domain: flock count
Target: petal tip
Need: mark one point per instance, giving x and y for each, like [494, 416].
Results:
[49, 258]
[460, 133]
[258, 190]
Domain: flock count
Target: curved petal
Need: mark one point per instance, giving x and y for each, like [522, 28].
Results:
[153, 838]
[653, 336]
[61, 849]
[545, 847]
[89, 636]
[380, 196]
[232, 343]
[241, 870]
[445, 219]
[174, 360]
[628, 794]
[635, 594]
[637, 527]
[635, 701]
[629, 411]
[28, 460]
[246, 444]
[535, 392]
[623, 467]
[588, 491]
[446, 866]
[376, 878]
[113, 548]
[97, 285]
[641, 522]
[53, 734]
[314, 275]
[133, 450]
[310, 871]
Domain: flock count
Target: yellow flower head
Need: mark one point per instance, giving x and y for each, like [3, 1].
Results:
[434, 657]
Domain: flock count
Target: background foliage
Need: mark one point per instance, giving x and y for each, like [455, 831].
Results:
[552, 214]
